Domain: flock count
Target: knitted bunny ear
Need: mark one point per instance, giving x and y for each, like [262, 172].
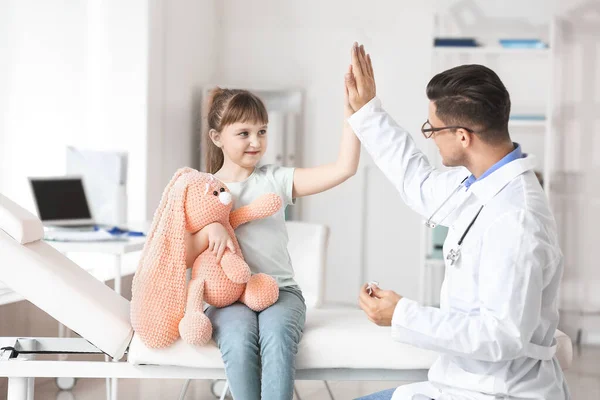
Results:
[159, 284]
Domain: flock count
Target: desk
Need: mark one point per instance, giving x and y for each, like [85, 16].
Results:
[116, 248]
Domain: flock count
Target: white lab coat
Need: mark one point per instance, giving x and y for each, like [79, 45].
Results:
[495, 326]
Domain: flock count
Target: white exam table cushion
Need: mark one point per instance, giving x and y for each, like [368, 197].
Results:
[332, 339]
[66, 292]
[19, 223]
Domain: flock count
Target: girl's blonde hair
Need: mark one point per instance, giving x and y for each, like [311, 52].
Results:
[225, 107]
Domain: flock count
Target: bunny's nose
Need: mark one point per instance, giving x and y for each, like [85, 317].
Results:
[225, 198]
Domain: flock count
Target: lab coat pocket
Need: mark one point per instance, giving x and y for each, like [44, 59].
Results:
[472, 381]
[464, 280]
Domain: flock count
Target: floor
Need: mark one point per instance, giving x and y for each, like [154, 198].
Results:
[583, 378]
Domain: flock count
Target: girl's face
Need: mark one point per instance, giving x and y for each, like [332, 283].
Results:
[244, 143]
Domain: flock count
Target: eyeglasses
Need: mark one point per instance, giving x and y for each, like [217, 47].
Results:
[428, 130]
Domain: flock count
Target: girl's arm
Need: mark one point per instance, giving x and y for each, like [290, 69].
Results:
[309, 181]
[195, 244]
[213, 237]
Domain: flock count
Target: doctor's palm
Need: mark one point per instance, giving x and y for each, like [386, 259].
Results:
[361, 87]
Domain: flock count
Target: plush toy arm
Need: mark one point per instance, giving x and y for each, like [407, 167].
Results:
[265, 206]
[235, 268]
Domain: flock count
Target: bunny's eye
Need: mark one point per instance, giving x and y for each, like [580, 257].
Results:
[216, 193]
[222, 190]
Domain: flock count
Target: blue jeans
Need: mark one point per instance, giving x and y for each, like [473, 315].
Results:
[383, 395]
[259, 348]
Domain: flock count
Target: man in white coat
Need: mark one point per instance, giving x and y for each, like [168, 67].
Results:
[495, 326]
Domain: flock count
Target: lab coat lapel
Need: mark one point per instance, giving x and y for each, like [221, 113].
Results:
[487, 188]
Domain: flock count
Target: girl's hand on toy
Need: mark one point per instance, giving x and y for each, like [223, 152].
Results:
[218, 240]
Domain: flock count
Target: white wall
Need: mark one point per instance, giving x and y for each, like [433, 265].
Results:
[73, 73]
[43, 70]
[117, 89]
[182, 59]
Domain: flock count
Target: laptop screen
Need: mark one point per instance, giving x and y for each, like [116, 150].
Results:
[60, 199]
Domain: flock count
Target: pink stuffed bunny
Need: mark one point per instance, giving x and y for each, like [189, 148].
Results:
[159, 310]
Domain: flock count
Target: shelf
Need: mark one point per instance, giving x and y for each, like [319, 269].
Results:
[489, 50]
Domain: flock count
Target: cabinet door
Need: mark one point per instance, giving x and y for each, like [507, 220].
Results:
[391, 239]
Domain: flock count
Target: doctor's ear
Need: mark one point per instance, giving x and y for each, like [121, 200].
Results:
[465, 137]
[215, 137]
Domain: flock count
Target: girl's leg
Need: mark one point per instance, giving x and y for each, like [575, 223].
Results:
[235, 329]
[280, 330]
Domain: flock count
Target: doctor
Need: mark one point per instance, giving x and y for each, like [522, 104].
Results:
[495, 327]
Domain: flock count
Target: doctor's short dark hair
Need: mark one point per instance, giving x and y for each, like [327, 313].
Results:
[472, 96]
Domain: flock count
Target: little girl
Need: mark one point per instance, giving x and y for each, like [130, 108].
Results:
[259, 348]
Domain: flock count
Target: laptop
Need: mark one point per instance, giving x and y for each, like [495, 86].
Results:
[61, 203]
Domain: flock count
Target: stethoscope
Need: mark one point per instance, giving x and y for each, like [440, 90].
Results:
[453, 254]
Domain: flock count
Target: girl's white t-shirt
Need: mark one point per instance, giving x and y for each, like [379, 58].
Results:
[264, 241]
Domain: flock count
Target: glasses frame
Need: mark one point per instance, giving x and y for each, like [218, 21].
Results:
[428, 132]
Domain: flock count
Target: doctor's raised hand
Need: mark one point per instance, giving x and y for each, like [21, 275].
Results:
[361, 89]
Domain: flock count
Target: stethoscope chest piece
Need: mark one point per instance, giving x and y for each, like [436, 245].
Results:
[453, 255]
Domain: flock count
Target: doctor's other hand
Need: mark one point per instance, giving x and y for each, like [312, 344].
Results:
[380, 306]
[361, 89]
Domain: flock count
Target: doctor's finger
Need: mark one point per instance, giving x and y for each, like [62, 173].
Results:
[361, 296]
[362, 58]
[370, 65]
[379, 293]
[356, 68]
[363, 289]
[364, 306]
[367, 300]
